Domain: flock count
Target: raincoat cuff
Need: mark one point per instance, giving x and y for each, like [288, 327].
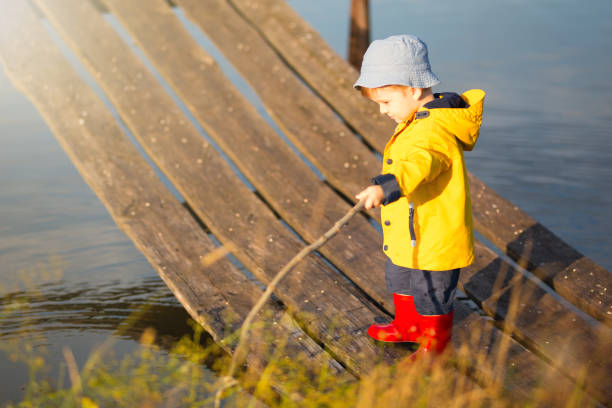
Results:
[391, 188]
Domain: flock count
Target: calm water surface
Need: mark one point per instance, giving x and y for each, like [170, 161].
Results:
[545, 145]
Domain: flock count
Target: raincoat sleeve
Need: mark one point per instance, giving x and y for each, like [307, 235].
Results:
[413, 164]
[418, 165]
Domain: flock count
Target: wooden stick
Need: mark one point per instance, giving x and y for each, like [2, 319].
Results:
[240, 353]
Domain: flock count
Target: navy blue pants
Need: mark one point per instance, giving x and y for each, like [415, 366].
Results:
[433, 291]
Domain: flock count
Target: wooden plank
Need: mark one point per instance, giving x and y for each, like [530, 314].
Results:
[314, 292]
[331, 77]
[540, 321]
[586, 285]
[136, 199]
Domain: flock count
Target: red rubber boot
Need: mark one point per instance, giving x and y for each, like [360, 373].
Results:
[404, 327]
[435, 334]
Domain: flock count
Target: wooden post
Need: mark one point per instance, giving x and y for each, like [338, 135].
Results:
[360, 31]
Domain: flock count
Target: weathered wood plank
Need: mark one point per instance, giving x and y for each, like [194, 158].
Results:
[234, 214]
[534, 316]
[331, 77]
[136, 199]
[586, 285]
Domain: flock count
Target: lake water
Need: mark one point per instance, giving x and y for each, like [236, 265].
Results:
[545, 145]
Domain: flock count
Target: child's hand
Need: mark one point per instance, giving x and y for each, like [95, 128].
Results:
[372, 195]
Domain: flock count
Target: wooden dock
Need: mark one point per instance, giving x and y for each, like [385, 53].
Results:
[559, 319]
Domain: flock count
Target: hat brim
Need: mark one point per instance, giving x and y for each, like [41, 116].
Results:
[376, 79]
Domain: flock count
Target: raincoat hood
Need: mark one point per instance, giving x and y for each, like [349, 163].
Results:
[459, 115]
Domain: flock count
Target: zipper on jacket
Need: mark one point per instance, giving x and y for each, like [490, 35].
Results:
[411, 224]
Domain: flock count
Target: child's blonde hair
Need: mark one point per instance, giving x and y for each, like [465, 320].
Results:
[370, 92]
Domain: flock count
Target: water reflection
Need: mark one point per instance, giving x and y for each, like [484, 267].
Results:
[61, 306]
[83, 318]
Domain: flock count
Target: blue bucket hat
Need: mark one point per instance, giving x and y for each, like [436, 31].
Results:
[396, 60]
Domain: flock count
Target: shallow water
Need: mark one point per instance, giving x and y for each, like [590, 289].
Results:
[545, 145]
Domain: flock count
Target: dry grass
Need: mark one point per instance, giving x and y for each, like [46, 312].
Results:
[179, 375]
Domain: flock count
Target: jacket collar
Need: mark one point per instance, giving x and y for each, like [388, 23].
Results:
[447, 100]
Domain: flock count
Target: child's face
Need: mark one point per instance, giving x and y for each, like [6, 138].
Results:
[397, 102]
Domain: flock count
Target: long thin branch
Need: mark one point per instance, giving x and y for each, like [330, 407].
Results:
[240, 352]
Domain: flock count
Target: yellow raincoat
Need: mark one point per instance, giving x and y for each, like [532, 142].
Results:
[430, 225]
